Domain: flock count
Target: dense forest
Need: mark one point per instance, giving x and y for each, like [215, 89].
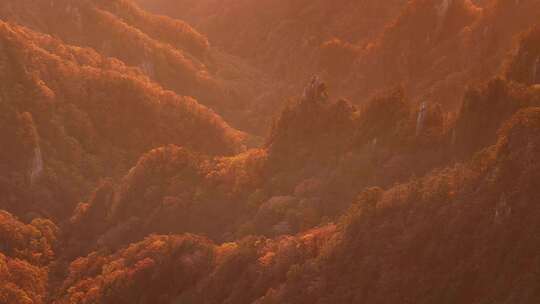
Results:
[261, 152]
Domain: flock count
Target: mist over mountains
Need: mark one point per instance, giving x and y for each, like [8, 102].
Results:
[235, 151]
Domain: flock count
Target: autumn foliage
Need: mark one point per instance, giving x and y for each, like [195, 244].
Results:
[400, 161]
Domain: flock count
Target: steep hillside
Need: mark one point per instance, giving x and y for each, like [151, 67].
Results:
[71, 116]
[155, 270]
[46, 16]
[524, 65]
[25, 252]
[425, 50]
[434, 48]
[454, 235]
[402, 168]
[437, 48]
[282, 37]
[188, 269]
[319, 154]
[467, 233]
[167, 50]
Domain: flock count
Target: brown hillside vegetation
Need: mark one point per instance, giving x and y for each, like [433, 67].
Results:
[426, 228]
[436, 53]
[66, 109]
[167, 50]
[45, 15]
[422, 50]
[25, 251]
[524, 66]
[265, 152]
[283, 37]
[419, 242]
[189, 269]
[306, 174]
[282, 190]
[434, 48]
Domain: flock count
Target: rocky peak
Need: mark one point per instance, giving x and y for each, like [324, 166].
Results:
[315, 90]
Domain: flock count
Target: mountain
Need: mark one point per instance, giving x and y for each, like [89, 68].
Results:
[266, 152]
[435, 49]
[304, 177]
[67, 112]
[410, 238]
[283, 38]
[25, 252]
[319, 154]
[168, 51]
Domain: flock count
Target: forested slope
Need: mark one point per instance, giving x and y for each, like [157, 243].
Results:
[72, 116]
[283, 152]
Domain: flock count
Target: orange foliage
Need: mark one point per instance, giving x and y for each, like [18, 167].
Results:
[21, 282]
[82, 126]
[33, 242]
[393, 199]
